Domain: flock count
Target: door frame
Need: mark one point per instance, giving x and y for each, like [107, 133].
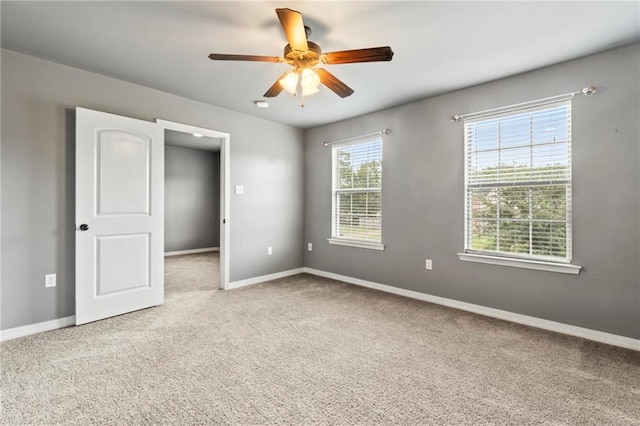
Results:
[225, 161]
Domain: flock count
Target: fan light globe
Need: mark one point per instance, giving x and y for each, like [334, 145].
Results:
[308, 79]
[289, 82]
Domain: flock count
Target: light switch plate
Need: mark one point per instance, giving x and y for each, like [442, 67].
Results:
[50, 280]
[239, 189]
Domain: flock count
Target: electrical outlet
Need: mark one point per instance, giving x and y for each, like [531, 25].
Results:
[269, 251]
[50, 280]
[310, 247]
[239, 189]
[428, 265]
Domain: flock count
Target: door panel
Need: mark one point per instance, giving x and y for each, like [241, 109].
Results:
[120, 200]
[123, 263]
[123, 173]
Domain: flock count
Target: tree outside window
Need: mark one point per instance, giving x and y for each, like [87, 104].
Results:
[518, 183]
[358, 191]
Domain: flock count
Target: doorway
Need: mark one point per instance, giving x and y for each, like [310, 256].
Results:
[209, 140]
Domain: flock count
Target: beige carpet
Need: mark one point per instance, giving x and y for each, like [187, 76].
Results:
[307, 350]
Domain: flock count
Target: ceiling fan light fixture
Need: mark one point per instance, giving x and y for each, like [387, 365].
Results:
[303, 55]
[309, 80]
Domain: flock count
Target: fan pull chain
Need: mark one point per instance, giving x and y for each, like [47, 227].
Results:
[299, 89]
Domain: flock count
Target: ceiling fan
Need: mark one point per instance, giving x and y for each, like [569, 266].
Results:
[304, 55]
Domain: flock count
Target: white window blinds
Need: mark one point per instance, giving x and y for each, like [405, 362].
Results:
[518, 183]
[357, 191]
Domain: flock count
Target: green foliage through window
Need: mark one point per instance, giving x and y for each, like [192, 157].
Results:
[518, 183]
[357, 191]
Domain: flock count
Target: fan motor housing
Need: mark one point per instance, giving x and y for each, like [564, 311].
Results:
[310, 56]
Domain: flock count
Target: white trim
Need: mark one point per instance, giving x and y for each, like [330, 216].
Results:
[190, 251]
[539, 265]
[585, 333]
[225, 210]
[263, 278]
[187, 128]
[27, 330]
[359, 244]
[572, 330]
[225, 182]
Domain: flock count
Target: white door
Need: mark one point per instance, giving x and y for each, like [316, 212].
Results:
[119, 215]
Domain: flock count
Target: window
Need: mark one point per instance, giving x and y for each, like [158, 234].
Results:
[518, 184]
[357, 194]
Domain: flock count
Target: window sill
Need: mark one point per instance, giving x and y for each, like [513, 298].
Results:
[564, 268]
[359, 244]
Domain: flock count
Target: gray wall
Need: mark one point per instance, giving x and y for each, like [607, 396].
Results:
[38, 125]
[423, 202]
[423, 199]
[191, 198]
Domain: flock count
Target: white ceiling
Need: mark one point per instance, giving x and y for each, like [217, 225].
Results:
[439, 46]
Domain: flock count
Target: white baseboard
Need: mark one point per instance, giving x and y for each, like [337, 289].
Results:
[13, 333]
[263, 278]
[26, 330]
[191, 251]
[597, 336]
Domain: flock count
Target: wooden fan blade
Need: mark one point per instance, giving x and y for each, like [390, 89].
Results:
[337, 86]
[255, 58]
[276, 88]
[372, 54]
[293, 26]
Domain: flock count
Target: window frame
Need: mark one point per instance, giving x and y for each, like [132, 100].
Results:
[335, 191]
[521, 260]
